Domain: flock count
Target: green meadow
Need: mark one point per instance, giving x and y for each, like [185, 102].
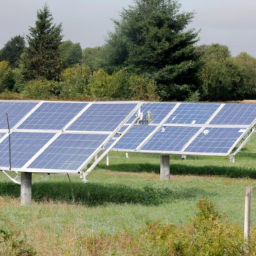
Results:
[123, 198]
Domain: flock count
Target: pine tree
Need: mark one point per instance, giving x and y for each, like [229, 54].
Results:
[42, 58]
[151, 39]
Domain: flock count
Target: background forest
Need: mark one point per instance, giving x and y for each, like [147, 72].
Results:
[149, 56]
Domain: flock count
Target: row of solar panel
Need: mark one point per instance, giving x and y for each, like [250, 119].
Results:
[104, 117]
[56, 115]
[200, 113]
[66, 152]
[69, 151]
[175, 138]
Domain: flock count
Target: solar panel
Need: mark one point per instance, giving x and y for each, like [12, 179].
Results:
[16, 111]
[52, 115]
[192, 113]
[215, 140]
[159, 110]
[23, 147]
[169, 138]
[135, 136]
[102, 117]
[68, 151]
[236, 114]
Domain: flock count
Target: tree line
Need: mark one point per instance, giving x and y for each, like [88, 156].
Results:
[150, 55]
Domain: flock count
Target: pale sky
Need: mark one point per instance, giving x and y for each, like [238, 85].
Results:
[227, 22]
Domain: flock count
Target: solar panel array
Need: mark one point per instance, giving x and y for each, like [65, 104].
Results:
[190, 128]
[64, 137]
[57, 137]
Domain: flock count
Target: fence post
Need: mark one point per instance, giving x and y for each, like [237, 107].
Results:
[247, 213]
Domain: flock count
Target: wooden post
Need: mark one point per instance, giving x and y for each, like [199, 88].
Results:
[247, 213]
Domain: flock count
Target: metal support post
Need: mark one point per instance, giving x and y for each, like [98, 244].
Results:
[107, 160]
[165, 167]
[183, 157]
[26, 188]
[126, 155]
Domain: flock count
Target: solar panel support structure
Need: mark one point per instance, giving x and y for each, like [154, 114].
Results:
[109, 149]
[15, 180]
[107, 160]
[26, 188]
[244, 142]
[165, 167]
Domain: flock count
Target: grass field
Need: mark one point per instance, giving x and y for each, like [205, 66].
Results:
[125, 197]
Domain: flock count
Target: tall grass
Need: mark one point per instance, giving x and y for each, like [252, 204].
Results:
[124, 204]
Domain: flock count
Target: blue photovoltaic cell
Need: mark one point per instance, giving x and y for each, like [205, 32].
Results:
[102, 117]
[169, 138]
[134, 137]
[159, 111]
[52, 116]
[236, 114]
[218, 140]
[117, 135]
[68, 151]
[23, 147]
[16, 111]
[192, 113]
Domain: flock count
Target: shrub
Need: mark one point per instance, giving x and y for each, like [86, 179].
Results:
[6, 77]
[74, 83]
[41, 89]
[208, 233]
[143, 88]
[14, 243]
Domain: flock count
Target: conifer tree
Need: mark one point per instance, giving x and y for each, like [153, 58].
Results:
[41, 58]
[151, 39]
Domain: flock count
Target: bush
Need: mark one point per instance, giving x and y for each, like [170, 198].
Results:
[6, 77]
[14, 243]
[143, 88]
[208, 233]
[41, 89]
[74, 83]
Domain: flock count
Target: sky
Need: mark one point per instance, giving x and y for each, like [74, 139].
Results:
[227, 22]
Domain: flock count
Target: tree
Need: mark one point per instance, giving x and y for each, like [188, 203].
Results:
[12, 50]
[92, 57]
[222, 78]
[6, 76]
[151, 39]
[248, 65]
[42, 57]
[70, 53]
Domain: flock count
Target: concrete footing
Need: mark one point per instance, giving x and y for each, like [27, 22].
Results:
[26, 188]
[165, 167]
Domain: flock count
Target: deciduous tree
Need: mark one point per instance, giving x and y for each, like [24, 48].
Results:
[70, 53]
[12, 50]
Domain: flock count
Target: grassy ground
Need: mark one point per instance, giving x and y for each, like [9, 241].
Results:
[125, 196]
